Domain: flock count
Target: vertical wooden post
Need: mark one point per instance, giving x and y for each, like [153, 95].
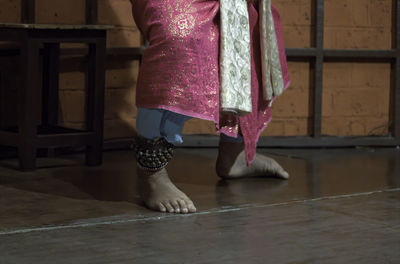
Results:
[28, 11]
[95, 100]
[28, 103]
[92, 12]
[51, 62]
[318, 67]
[396, 88]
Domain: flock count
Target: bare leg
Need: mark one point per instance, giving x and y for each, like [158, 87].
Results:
[160, 194]
[231, 163]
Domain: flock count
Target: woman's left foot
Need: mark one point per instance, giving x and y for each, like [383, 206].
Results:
[231, 163]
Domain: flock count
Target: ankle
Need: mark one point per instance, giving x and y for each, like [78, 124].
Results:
[228, 153]
[231, 146]
[150, 175]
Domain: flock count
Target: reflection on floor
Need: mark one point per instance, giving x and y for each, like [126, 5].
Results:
[340, 206]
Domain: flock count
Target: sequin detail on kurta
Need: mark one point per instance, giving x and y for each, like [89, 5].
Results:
[180, 68]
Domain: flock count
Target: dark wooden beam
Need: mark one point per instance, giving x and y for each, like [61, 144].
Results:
[64, 140]
[301, 52]
[317, 68]
[92, 12]
[396, 88]
[134, 53]
[360, 54]
[212, 141]
[297, 142]
[352, 53]
[50, 93]
[28, 11]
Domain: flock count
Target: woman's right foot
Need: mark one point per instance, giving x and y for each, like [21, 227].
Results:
[160, 194]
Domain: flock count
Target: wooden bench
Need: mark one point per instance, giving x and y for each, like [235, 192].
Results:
[38, 122]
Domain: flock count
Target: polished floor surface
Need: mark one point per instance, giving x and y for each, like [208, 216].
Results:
[340, 206]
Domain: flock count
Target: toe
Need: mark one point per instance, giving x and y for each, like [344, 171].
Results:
[280, 172]
[284, 174]
[191, 207]
[162, 208]
[176, 206]
[275, 168]
[169, 207]
[183, 206]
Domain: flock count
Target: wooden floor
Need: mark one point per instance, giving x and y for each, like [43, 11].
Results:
[340, 206]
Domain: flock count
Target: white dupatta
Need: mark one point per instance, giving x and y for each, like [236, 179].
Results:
[235, 56]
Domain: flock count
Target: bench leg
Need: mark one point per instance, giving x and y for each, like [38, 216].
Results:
[28, 104]
[51, 62]
[3, 86]
[95, 101]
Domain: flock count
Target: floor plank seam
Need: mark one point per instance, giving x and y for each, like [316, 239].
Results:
[225, 209]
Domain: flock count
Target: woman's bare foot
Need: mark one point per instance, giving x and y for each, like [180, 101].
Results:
[231, 163]
[160, 194]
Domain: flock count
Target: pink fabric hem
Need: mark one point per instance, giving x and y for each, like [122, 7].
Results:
[179, 111]
[258, 136]
[266, 123]
[263, 128]
[285, 87]
[287, 84]
[226, 132]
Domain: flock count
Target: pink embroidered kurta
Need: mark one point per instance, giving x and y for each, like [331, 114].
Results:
[180, 68]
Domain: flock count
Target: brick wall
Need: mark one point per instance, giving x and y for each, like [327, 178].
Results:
[355, 95]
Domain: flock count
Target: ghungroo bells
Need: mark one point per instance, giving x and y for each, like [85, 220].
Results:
[153, 154]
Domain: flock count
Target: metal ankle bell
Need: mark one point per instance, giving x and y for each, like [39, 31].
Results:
[153, 154]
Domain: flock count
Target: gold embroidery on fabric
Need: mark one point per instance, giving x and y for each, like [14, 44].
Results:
[235, 59]
[183, 23]
[271, 65]
[212, 36]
